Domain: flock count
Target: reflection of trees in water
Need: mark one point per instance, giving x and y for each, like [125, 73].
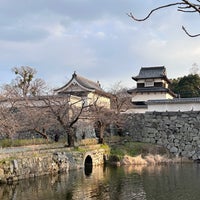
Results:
[45, 187]
[180, 182]
[10, 192]
[126, 184]
[103, 183]
[174, 182]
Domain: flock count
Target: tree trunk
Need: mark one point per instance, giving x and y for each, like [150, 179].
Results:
[42, 133]
[70, 137]
[101, 134]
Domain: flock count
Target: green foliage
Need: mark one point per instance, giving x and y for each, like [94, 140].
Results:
[129, 148]
[6, 161]
[187, 86]
[79, 149]
[104, 146]
[136, 148]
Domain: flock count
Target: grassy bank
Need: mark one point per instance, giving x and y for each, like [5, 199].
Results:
[136, 148]
[17, 143]
[136, 153]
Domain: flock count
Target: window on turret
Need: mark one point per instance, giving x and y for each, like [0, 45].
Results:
[159, 84]
[140, 85]
[149, 83]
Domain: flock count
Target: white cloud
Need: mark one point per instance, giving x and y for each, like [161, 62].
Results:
[95, 38]
[100, 34]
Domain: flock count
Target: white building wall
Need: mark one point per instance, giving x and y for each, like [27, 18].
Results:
[136, 110]
[169, 107]
[151, 96]
[195, 106]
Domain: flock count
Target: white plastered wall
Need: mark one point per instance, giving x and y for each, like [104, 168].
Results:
[195, 106]
[151, 96]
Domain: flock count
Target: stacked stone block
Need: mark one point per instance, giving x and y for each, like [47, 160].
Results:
[179, 132]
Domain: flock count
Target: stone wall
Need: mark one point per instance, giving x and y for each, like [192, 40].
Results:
[179, 132]
[81, 128]
[15, 166]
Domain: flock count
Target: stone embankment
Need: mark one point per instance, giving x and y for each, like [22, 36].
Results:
[179, 132]
[26, 162]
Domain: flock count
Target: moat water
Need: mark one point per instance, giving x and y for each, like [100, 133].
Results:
[168, 182]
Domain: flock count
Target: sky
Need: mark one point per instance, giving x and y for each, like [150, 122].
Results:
[96, 39]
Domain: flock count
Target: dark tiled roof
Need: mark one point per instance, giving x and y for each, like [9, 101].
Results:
[87, 83]
[175, 100]
[84, 82]
[149, 89]
[151, 72]
[90, 85]
[152, 89]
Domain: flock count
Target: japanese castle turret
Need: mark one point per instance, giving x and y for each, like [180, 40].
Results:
[152, 84]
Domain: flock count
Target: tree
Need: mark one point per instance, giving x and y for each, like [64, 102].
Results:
[187, 86]
[18, 115]
[106, 118]
[34, 116]
[121, 100]
[66, 112]
[194, 69]
[8, 123]
[25, 82]
[102, 118]
[20, 97]
[182, 6]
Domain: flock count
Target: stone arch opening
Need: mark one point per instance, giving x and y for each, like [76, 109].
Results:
[88, 160]
[88, 165]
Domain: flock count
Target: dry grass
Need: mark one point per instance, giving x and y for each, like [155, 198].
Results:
[150, 160]
[132, 153]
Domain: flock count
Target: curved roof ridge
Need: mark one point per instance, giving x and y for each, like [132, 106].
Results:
[86, 82]
[152, 72]
[82, 81]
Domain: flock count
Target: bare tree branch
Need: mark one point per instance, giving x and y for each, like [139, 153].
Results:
[196, 7]
[183, 6]
[152, 11]
[184, 29]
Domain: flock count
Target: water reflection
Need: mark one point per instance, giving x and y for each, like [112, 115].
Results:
[88, 169]
[176, 182]
[172, 182]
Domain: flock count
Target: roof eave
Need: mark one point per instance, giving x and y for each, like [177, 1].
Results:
[65, 86]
